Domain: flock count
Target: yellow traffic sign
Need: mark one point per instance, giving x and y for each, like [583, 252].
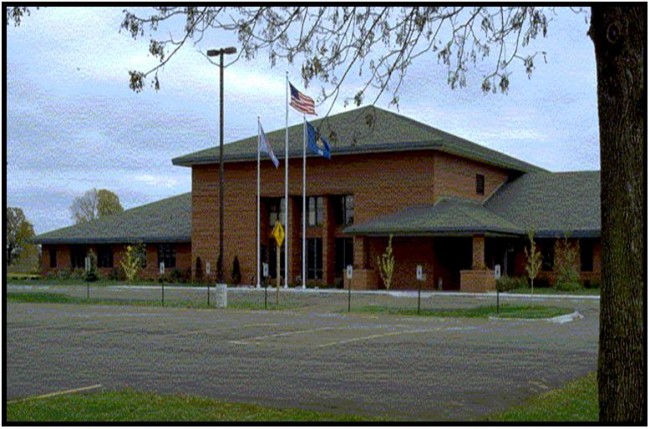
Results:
[278, 233]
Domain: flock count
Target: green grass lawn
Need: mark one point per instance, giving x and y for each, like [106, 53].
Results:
[59, 298]
[553, 291]
[575, 402]
[505, 311]
[130, 406]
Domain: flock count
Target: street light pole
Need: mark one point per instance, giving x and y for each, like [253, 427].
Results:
[220, 53]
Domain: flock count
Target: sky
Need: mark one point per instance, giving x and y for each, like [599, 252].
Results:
[73, 124]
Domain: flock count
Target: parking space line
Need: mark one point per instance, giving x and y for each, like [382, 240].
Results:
[283, 334]
[390, 334]
[61, 392]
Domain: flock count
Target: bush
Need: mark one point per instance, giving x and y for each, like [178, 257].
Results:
[116, 273]
[592, 284]
[236, 271]
[568, 286]
[198, 270]
[92, 275]
[505, 283]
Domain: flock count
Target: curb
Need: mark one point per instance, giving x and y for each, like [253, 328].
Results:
[557, 319]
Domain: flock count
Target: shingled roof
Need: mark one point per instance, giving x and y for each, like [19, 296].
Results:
[552, 204]
[364, 130]
[164, 221]
[447, 216]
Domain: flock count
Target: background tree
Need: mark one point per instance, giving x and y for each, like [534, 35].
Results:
[19, 233]
[95, 204]
[381, 43]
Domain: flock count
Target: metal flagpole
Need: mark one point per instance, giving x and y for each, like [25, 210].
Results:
[257, 243]
[304, 200]
[286, 187]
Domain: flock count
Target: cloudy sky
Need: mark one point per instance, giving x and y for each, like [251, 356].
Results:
[74, 124]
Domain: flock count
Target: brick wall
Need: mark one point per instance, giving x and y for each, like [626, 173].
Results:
[183, 258]
[381, 184]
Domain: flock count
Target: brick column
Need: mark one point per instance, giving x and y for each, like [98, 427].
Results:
[295, 241]
[360, 245]
[478, 252]
[328, 241]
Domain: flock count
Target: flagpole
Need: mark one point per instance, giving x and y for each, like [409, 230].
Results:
[257, 244]
[304, 200]
[286, 184]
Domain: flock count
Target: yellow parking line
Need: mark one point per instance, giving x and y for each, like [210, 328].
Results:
[61, 392]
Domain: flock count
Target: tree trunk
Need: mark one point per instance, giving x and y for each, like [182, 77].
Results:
[619, 36]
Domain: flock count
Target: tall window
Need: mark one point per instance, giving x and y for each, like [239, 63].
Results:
[105, 257]
[167, 254]
[480, 184]
[586, 255]
[78, 257]
[52, 256]
[276, 211]
[343, 254]
[314, 258]
[344, 209]
[548, 254]
[315, 211]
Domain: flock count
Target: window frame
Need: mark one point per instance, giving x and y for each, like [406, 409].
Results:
[167, 254]
[105, 252]
[53, 256]
[314, 258]
[315, 213]
[480, 184]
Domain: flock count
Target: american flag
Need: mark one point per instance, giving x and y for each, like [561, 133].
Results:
[301, 102]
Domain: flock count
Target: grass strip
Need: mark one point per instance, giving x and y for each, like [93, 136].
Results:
[505, 311]
[553, 291]
[131, 406]
[59, 298]
[575, 402]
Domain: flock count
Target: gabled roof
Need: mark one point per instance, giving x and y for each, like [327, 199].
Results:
[447, 216]
[164, 221]
[552, 203]
[364, 130]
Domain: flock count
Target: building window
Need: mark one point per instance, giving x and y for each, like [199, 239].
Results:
[548, 254]
[343, 254]
[52, 256]
[480, 184]
[77, 257]
[276, 211]
[344, 207]
[104, 257]
[167, 254]
[315, 211]
[314, 258]
[586, 255]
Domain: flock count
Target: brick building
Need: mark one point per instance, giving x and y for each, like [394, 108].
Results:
[452, 206]
[164, 227]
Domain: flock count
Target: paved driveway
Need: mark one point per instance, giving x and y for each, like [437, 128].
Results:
[412, 368]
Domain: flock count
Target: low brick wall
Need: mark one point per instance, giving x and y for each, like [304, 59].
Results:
[364, 280]
[477, 281]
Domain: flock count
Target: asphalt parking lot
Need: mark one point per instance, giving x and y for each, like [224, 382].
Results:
[408, 368]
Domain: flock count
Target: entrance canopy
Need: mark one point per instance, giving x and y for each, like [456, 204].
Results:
[448, 216]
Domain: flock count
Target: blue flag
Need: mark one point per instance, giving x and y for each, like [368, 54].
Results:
[317, 143]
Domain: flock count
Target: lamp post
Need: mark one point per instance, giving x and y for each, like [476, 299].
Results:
[220, 53]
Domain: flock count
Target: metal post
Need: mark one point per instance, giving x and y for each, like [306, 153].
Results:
[266, 292]
[87, 290]
[349, 293]
[497, 300]
[419, 289]
[162, 282]
[220, 261]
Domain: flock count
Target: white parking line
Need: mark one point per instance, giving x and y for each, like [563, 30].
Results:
[390, 334]
[283, 334]
[61, 392]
